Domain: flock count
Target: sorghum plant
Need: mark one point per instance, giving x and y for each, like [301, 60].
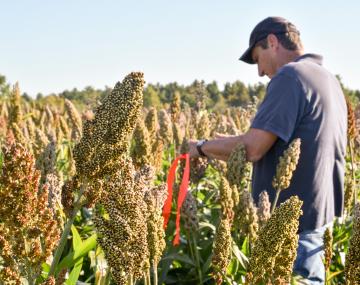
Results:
[151, 123]
[238, 169]
[175, 107]
[274, 251]
[264, 208]
[106, 137]
[221, 250]
[352, 264]
[155, 198]
[328, 242]
[166, 131]
[246, 218]
[28, 230]
[75, 119]
[123, 228]
[141, 151]
[285, 168]
[15, 113]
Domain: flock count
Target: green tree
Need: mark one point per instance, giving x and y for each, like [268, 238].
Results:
[236, 94]
[4, 86]
[258, 90]
[26, 97]
[214, 93]
[151, 97]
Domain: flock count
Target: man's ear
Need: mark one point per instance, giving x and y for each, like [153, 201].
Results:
[273, 42]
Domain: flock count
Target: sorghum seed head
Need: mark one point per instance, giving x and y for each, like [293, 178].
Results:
[165, 130]
[189, 213]
[105, 138]
[141, 151]
[75, 119]
[221, 250]
[274, 251]
[264, 209]
[175, 107]
[203, 126]
[328, 241]
[238, 169]
[286, 166]
[352, 264]
[226, 200]
[151, 122]
[246, 218]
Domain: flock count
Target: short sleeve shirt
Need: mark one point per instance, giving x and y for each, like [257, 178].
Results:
[303, 100]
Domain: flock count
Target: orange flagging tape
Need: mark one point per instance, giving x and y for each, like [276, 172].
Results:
[182, 193]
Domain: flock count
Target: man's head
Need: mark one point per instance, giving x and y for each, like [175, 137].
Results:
[273, 43]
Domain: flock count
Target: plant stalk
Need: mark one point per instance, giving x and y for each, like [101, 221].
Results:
[275, 201]
[353, 171]
[131, 280]
[189, 243]
[197, 260]
[66, 231]
[326, 276]
[147, 277]
[155, 274]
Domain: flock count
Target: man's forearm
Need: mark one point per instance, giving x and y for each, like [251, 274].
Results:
[221, 148]
[256, 142]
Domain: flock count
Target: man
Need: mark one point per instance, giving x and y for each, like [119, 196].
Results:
[303, 100]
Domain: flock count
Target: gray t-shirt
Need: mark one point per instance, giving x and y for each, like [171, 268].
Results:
[303, 100]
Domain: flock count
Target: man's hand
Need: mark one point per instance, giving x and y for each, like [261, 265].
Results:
[192, 149]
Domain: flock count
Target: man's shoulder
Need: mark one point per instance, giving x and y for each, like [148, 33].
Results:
[306, 71]
[291, 70]
[301, 64]
[286, 75]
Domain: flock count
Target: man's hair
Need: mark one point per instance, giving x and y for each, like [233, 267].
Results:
[290, 41]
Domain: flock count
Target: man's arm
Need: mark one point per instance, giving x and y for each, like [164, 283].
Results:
[257, 142]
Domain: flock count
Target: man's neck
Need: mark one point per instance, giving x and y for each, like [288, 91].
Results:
[289, 56]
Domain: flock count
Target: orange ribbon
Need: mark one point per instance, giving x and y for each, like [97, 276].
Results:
[181, 196]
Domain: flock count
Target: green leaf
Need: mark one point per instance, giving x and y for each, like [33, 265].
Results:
[165, 267]
[85, 247]
[293, 281]
[203, 225]
[245, 247]
[45, 267]
[180, 257]
[75, 272]
[81, 251]
[333, 274]
[207, 264]
[232, 267]
[80, 248]
[240, 256]
[76, 237]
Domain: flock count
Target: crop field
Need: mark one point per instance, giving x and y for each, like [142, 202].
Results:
[94, 196]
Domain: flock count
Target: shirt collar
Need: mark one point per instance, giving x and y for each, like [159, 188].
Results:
[316, 58]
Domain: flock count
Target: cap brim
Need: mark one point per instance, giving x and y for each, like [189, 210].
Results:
[246, 57]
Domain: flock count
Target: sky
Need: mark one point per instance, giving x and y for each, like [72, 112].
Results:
[51, 46]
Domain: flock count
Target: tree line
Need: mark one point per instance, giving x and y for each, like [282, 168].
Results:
[158, 95]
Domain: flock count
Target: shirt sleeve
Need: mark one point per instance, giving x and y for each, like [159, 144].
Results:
[282, 108]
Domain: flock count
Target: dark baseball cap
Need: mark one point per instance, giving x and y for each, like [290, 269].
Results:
[270, 25]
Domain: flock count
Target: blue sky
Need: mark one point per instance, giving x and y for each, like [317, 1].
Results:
[50, 46]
